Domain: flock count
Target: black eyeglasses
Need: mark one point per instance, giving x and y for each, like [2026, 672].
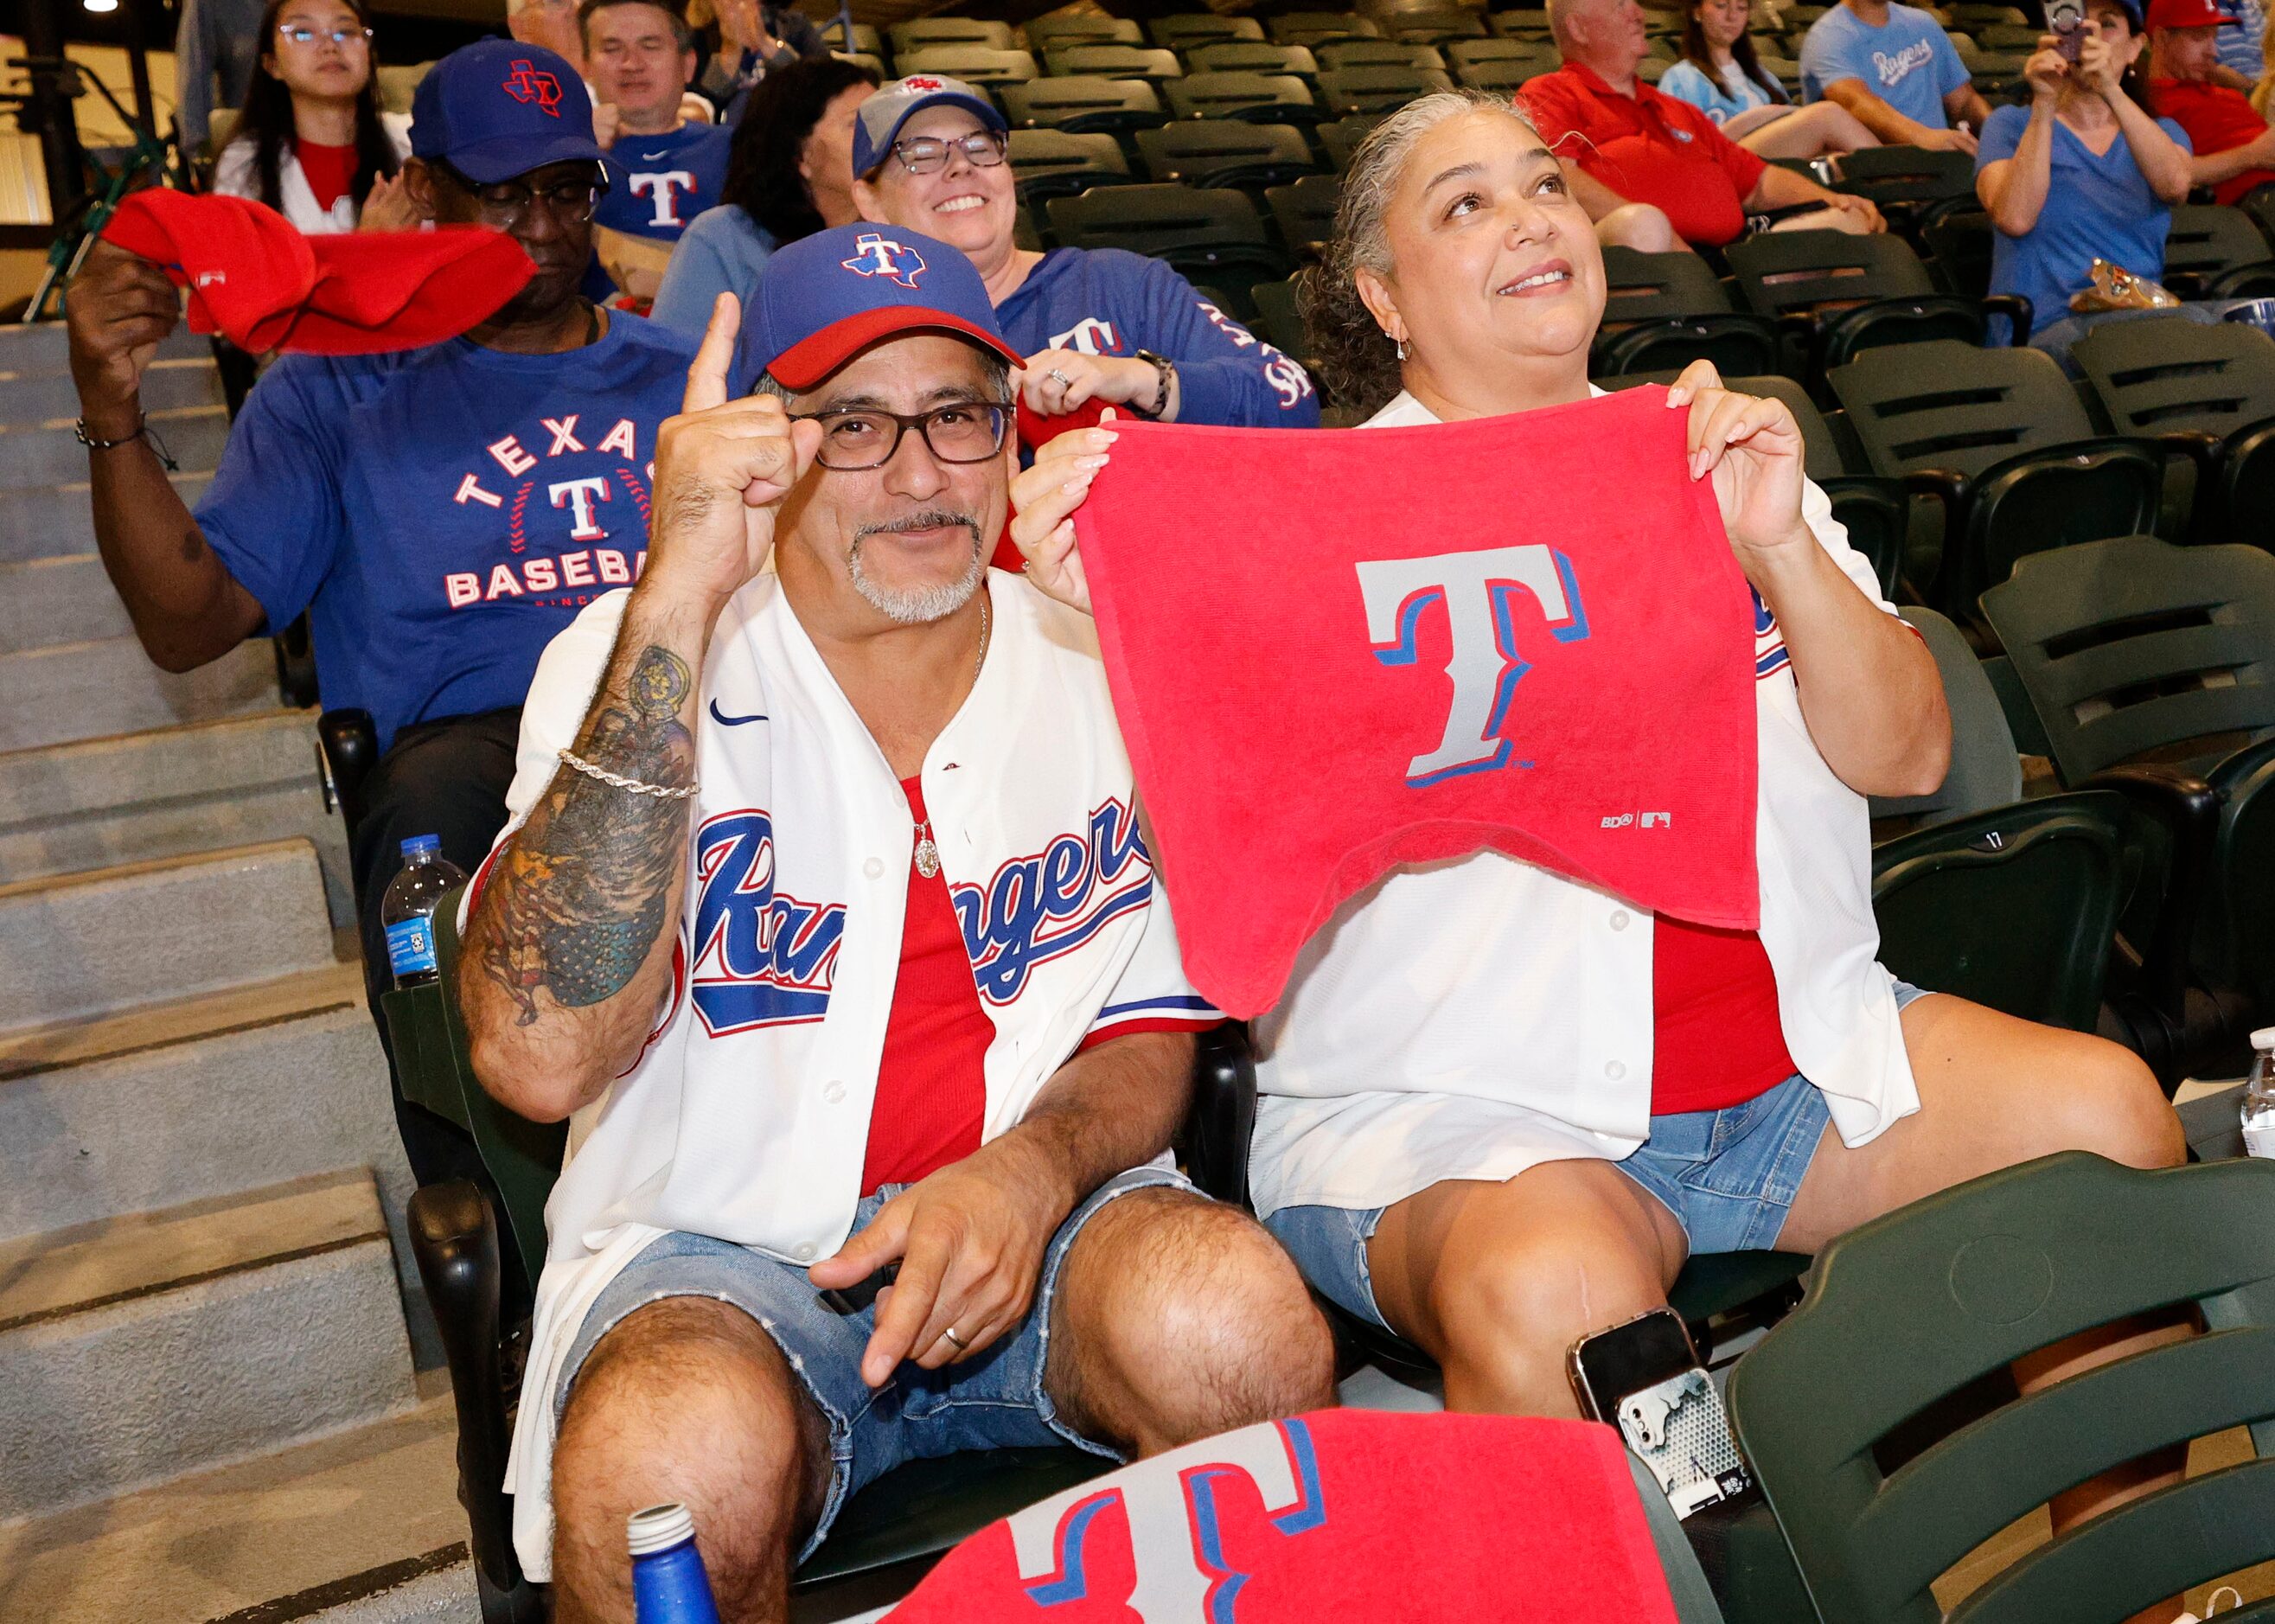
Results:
[967, 432]
[922, 154]
[300, 34]
[506, 202]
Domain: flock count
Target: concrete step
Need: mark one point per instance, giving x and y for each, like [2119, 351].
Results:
[67, 808]
[168, 386]
[47, 521]
[38, 454]
[81, 690]
[141, 1348]
[362, 1527]
[42, 349]
[112, 939]
[52, 600]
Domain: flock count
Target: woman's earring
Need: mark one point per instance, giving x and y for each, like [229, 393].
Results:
[1402, 349]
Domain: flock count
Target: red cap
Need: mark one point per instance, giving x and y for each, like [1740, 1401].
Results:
[2188, 14]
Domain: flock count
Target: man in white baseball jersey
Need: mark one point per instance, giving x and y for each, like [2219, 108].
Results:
[824, 913]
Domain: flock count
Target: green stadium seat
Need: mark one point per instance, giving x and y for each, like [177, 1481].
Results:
[1531, 25]
[1432, 25]
[1052, 164]
[1082, 105]
[864, 59]
[2002, 440]
[1215, 238]
[1115, 62]
[1186, 29]
[1311, 27]
[2205, 390]
[2007, 36]
[1472, 53]
[1377, 90]
[1502, 77]
[1842, 294]
[1663, 311]
[926, 32]
[867, 40]
[2215, 253]
[1280, 321]
[1960, 242]
[1251, 57]
[1221, 152]
[1924, 1305]
[1906, 178]
[1079, 28]
[1971, 16]
[1305, 211]
[976, 64]
[1340, 54]
[1257, 98]
[913, 1513]
[1340, 137]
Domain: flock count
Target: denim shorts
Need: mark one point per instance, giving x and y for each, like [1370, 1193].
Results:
[995, 1401]
[1729, 1178]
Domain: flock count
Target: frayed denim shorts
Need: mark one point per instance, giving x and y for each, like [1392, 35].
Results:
[995, 1401]
[1729, 1178]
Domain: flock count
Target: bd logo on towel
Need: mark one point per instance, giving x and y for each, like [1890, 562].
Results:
[1182, 1573]
[876, 254]
[526, 84]
[1475, 591]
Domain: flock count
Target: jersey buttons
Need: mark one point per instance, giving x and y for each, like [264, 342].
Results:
[833, 1092]
[874, 868]
[1615, 1071]
[1619, 919]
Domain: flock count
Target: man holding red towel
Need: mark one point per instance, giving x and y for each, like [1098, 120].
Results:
[439, 513]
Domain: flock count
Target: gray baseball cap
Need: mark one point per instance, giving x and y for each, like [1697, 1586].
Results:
[877, 124]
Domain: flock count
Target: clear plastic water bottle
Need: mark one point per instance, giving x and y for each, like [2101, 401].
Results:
[2259, 1096]
[669, 1583]
[408, 909]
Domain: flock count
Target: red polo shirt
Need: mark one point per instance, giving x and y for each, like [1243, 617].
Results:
[2216, 119]
[1649, 149]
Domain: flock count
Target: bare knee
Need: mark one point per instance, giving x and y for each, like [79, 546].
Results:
[685, 1400]
[1639, 226]
[2111, 1106]
[1186, 1319]
[1507, 1315]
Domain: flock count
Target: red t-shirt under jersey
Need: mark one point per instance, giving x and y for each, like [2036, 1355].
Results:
[1716, 1041]
[329, 171]
[932, 1082]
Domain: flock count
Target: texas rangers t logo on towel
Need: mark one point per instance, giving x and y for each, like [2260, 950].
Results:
[1334, 654]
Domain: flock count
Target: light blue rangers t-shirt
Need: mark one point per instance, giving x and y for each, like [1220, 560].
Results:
[442, 513]
[1910, 61]
[2095, 206]
[1721, 97]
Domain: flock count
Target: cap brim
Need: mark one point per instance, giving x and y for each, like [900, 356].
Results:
[982, 111]
[488, 163]
[812, 358]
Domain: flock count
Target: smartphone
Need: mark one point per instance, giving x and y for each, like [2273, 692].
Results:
[850, 1299]
[2067, 18]
[1644, 1378]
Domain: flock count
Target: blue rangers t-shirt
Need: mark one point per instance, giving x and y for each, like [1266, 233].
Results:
[657, 184]
[442, 513]
[1908, 61]
[1108, 301]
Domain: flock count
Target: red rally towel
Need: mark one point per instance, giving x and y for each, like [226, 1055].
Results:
[1335, 652]
[1341, 1514]
[1037, 431]
[264, 286]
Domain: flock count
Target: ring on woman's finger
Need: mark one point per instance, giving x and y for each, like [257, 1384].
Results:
[1061, 378]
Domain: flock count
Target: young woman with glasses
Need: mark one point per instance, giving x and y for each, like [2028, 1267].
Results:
[311, 141]
[1096, 325]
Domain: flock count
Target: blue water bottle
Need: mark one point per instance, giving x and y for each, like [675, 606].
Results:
[669, 1583]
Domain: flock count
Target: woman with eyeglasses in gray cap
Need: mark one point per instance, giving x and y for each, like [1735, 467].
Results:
[1099, 327]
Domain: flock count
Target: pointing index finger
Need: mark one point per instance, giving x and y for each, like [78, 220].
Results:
[707, 378]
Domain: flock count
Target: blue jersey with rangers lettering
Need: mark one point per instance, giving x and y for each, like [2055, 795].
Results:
[442, 513]
[1108, 301]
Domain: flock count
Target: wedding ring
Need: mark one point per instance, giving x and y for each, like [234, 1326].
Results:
[1064, 381]
[961, 1345]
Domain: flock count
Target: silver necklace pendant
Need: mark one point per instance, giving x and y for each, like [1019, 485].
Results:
[927, 855]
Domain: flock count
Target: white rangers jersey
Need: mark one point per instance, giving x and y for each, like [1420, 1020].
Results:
[746, 1117]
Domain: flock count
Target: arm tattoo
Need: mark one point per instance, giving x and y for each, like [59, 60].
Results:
[583, 887]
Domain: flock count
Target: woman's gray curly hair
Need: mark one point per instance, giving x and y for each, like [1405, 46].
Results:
[1359, 363]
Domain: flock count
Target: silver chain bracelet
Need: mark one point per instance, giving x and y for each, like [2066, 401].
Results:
[617, 782]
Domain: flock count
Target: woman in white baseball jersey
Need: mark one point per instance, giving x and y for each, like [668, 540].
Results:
[1499, 1106]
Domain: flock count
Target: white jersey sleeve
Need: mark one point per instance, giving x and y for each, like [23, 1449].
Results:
[1832, 536]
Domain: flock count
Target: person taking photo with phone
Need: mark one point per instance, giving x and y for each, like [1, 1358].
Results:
[2083, 172]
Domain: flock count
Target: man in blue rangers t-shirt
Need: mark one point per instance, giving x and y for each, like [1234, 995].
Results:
[440, 513]
[662, 172]
[1895, 68]
[1096, 325]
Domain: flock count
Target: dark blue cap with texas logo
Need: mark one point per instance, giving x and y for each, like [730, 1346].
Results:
[498, 108]
[825, 298]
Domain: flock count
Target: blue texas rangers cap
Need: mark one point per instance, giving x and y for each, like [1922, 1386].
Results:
[826, 296]
[878, 123]
[498, 108]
